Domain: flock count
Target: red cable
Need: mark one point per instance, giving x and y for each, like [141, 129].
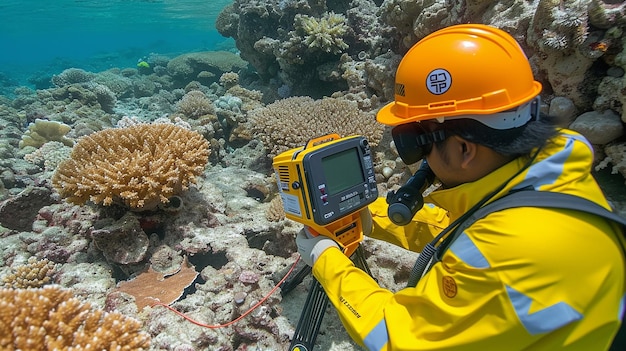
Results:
[189, 319]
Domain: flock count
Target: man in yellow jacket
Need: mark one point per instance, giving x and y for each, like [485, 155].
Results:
[525, 278]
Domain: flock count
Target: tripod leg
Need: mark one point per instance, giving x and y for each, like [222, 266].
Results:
[310, 318]
[291, 283]
[315, 306]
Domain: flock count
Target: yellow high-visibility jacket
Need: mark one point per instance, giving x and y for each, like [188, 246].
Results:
[519, 279]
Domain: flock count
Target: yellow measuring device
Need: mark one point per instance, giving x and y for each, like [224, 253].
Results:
[326, 183]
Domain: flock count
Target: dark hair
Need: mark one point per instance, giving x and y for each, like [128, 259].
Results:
[509, 142]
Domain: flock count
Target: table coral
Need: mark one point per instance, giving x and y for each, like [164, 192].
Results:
[140, 166]
[51, 318]
[188, 67]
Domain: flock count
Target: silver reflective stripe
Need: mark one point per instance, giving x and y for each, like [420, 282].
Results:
[622, 308]
[544, 320]
[547, 171]
[465, 249]
[378, 337]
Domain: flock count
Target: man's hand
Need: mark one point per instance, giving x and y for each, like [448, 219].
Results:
[311, 247]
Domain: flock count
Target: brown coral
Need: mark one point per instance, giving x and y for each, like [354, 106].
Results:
[275, 212]
[139, 166]
[229, 79]
[51, 318]
[151, 287]
[291, 122]
[195, 104]
[34, 274]
[43, 131]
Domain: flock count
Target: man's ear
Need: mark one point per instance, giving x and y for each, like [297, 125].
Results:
[468, 151]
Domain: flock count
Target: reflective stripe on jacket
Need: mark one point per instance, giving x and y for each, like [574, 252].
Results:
[523, 278]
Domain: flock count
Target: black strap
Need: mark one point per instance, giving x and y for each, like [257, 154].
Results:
[528, 198]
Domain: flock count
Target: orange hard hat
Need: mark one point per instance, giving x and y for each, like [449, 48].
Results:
[467, 69]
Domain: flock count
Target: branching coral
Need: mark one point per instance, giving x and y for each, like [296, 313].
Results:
[275, 212]
[34, 274]
[139, 166]
[291, 122]
[195, 104]
[51, 318]
[325, 34]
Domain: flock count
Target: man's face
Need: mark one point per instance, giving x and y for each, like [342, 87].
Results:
[446, 154]
[446, 158]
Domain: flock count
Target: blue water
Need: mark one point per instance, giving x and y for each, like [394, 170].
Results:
[39, 37]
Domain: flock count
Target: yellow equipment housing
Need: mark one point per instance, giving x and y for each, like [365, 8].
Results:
[326, 183]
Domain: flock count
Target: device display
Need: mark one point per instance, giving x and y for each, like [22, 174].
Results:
[340, 178]
[342, 170]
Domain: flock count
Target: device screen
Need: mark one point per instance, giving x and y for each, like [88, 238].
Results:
[342, 171]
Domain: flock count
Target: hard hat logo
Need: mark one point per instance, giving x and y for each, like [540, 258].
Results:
[438, 81]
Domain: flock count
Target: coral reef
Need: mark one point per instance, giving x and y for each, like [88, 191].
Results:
[43, 131]
[72, 76]
[217, 249]
[324, 34]
[559, 33]
[51, 318]
[291, 122]
[139, 166]
[34, 274]
[289, 40]
[205, 67]
[49, 155]
[195, 104]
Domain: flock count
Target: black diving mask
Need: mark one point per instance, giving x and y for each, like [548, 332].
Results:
[413, 142]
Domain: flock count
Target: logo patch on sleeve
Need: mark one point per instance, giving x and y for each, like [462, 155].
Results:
[449, 286]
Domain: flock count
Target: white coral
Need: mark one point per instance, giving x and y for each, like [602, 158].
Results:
[325, 33]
